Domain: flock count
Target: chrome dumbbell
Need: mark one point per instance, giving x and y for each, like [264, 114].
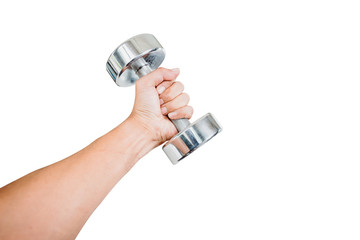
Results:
[137, 57]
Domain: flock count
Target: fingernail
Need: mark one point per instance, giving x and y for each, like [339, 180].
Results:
[161, 101]
[172, 114]
[163, 110]
[161, 89]
[175, 69]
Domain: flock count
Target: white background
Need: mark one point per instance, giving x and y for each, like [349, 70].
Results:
[282, 77]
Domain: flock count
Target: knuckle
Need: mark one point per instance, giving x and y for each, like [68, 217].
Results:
[154, 76]
[165, 96]
[160, 72]
[186, 97]
[186, 112]
[180, 85]
[191, 110]
[169, 106]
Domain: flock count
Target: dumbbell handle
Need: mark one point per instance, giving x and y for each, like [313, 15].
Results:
[180, 124]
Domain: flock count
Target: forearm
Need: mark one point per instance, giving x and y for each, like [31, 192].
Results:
[55, 202]
[36, 205]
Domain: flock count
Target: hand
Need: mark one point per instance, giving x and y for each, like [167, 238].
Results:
[158, 95]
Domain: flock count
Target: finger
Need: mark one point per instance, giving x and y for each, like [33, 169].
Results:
[178, 102]
[158, 76]
[163, 86]
[172, 92]
[183, 112]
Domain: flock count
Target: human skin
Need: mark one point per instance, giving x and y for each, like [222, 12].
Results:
[55, 202]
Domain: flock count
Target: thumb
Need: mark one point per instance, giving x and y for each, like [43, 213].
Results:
[158, 76]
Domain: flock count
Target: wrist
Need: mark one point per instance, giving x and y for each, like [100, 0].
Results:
[138, 140]
[147, 126]
[126, 143]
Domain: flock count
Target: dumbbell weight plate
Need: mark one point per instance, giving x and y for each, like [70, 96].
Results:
[191, 138]
[120, 61]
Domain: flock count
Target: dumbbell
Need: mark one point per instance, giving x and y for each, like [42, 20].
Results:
[139, 56]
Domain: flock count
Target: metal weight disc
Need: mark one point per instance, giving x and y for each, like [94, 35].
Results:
[144, 46]
[191, 138]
